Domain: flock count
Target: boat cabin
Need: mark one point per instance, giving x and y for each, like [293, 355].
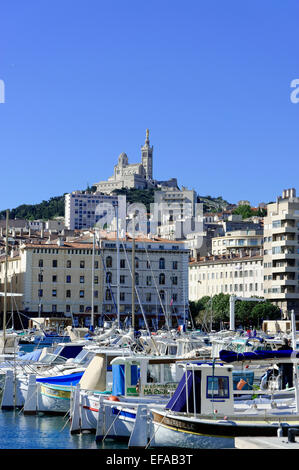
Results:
[204, 389]
[145, 376]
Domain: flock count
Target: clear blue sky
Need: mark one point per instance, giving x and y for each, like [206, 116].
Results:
[209, 78]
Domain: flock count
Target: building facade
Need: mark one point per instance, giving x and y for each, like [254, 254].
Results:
[238, 275]
[83, 210]
[281, 252]
[56, 278]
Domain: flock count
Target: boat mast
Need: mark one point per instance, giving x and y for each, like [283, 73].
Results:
[5, 280]
[92, 280]
[133, 274]
[295, 366]
[117, 268]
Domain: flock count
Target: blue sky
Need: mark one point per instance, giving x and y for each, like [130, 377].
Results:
[209, 78]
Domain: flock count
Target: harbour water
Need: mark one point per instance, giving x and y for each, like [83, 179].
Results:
[19, 431]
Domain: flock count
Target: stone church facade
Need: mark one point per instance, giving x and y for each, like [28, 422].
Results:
[134, 175]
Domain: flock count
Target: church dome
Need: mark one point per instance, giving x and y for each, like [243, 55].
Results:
[123, 159]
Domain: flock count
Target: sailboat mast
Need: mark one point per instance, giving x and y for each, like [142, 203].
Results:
[133, 276]
[5, 279]
[92, 280]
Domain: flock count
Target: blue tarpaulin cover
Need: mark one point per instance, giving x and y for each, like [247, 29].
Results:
[178, 401]
[118, 377]
[232, 356]
[71, 379]
[31, 356]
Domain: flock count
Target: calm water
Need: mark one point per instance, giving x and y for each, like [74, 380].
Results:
[19, 431]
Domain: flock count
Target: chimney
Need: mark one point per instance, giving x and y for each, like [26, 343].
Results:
[284, 194]
[42, 230]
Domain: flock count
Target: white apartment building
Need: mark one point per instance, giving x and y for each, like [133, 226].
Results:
[245, 241]
[56, 278]
[238, 275]
[281, 252]
[83, 210]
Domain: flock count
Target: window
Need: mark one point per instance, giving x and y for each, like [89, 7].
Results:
[67, 308]
[175, 280]
[122, 263]
[174, 265]
[68, 263]
[122, 279]
[54, 263]
[54, 308]
[81, 308]
[96, 279]
[217, 387]
[54, 292]
[136, 263]
[96, 264]
[40, 278]
[161, 263]
[148, 297]
[109, 262]
[54, 278]
[81, 279]
[148, 280]
[122, 296]
[82, 264]
[108, 278]
[81, 294]
[162, 294]
[137, 279]
[40, 292]
[68, 293]
[162, 278]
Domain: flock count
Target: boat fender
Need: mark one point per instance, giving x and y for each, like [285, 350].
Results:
[241, 384]
[113, 398]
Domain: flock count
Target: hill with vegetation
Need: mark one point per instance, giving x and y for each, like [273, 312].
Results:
[54, 207]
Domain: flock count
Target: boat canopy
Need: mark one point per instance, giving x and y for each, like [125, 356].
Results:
[232, 356]
[71, 379]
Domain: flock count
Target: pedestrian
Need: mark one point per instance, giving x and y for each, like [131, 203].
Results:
[285, 369]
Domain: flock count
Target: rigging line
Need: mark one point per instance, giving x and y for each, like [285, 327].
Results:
[182, 390]
[136, 290]
[109, 284]
[150, 264]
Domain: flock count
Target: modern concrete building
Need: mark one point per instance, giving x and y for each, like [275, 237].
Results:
[281, 252]
[55, 278]
[240, 241]
[83, 210]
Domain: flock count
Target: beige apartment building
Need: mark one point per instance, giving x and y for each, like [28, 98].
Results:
[228, 274]
[281, 252]
[55, 278]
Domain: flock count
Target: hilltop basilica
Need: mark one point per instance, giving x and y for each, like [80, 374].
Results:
[134, 175]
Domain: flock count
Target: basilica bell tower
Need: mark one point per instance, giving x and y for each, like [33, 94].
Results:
[147, 157]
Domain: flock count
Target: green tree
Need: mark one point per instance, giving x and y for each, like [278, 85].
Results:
[244, 210]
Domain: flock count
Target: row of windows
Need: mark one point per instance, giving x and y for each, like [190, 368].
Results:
[253, 287]
[222, 275]
[108, 295]
[122, 279]
[68, 279]
[109, 263]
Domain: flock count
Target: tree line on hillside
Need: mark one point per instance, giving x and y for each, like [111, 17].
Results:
[215, 310]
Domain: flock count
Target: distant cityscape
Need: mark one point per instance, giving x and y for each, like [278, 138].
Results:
[185, 247]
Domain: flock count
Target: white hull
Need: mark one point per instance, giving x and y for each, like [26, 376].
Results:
[166, 437]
